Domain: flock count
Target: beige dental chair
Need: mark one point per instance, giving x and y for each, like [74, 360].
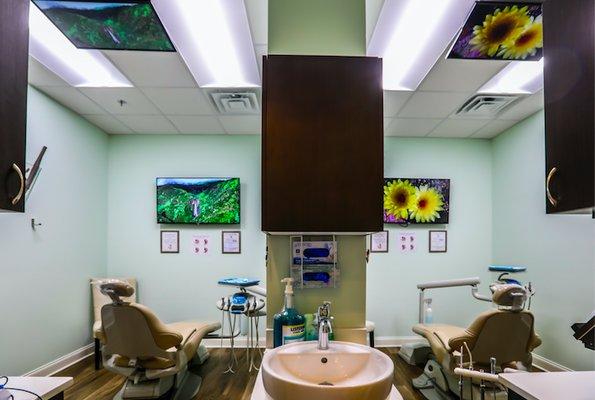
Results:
[153, 356]
[506, 334]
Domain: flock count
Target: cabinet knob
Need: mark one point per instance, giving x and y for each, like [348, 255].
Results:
[553, 201]
[19, 195]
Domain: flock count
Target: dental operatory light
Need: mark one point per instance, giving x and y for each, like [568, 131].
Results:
[411, 35]
[214, 39]
[518, 77]
[78, 67]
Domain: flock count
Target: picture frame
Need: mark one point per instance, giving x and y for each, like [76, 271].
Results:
[231, 242]
[379, 242]
[438, 241]
[170, 242]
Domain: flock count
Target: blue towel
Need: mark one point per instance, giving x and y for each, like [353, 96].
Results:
[507, 268]
[243, 282]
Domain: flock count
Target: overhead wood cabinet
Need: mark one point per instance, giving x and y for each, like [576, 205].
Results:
[14, 53]
[322, 145]
[569, 49]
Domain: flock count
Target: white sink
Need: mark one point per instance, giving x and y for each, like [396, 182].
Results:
[345, 371]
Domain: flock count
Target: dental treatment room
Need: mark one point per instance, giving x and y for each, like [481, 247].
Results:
[297, 200]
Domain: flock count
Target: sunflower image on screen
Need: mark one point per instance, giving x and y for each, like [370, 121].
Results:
[108, 25]
[501, 31]
[198, 200]
[421, 201]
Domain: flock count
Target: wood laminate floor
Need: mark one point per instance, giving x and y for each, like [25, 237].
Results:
[103, 385]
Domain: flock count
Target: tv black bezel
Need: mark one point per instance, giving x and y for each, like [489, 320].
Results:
[200, 177]
[174, 50]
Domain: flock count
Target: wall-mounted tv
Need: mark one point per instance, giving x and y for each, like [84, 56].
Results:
[108, 25]
[416, 200]
[501, 31]
[198, 200]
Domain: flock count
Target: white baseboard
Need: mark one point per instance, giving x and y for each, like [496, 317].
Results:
[63, 362]
[548, 365]
[241, 342]
[396, 341]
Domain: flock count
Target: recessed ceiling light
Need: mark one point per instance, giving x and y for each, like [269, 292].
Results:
[214, 39]
[81, 68]
[518, 77]
[411, 35]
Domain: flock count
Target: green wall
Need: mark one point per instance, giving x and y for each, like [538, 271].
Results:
[45, 296]
[392, 296]
[329, 27]
[558, 250]
[180, 286]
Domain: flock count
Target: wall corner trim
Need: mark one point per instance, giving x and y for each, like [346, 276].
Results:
[53, 367]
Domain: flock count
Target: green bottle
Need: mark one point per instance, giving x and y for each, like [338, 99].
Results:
[289, 324]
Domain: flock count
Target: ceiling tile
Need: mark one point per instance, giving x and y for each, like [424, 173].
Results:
[73, 99]
[494, 128]
[39, 75]
[451, 75]
[236, 124]
[108, 123]
[432, 104]
[409, 127]
[148, 123]
[180, 101]
[108, 98]
[456, 127]
[393, 101]
[196, 124]
[258, 14]
[522, 109]
[152, 68]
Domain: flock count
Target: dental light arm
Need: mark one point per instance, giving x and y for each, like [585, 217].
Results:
[473, 282]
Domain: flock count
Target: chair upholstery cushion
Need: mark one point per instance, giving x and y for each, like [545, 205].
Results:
[439, 335]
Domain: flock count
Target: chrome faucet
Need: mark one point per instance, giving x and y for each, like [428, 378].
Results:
[324, 325]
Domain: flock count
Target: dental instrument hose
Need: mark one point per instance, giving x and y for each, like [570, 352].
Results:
[3, 386]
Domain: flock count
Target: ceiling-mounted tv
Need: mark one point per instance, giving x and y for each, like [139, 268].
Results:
[108, 25]
[416, 200]
[501, 31]
[198, 200]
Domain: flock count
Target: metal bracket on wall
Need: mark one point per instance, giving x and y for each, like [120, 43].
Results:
[34, 224]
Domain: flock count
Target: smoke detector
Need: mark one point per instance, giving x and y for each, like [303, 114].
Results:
[236, 102]
[485, 105]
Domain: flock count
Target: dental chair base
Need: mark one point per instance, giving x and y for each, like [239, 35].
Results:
[138, 385]
[415, 353]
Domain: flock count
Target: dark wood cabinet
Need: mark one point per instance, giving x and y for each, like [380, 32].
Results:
[14, 53]
[569, 51]
[322, 145]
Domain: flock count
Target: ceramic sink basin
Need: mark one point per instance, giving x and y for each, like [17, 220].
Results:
[345, 371]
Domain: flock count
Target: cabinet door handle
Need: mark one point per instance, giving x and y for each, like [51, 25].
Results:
[19, 195]
[553, 201]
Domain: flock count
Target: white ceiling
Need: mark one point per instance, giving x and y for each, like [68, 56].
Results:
[166, 99]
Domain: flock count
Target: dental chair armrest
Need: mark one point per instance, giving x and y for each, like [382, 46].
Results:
[181, 345]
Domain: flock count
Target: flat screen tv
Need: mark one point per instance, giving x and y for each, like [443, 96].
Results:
[416, 200]
[501, 31]
[108, 25]
[198, 200]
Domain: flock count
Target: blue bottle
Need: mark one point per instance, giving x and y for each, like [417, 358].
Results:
[288, 325]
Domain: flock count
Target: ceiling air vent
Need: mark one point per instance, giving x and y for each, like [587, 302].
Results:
[485, 105]
[236, 102]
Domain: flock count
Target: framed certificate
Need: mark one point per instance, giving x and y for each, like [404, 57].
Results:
[231, 242]
[170, 241]
[438, 242]
[379, 242]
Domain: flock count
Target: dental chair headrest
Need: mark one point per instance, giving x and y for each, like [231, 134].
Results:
[509, 297]
[116, 289]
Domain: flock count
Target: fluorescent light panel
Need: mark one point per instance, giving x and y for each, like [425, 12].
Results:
[78, 67]
[518, 77]
[213, 37]
[411, 35]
